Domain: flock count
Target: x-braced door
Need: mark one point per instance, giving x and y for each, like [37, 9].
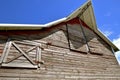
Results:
[22, 54]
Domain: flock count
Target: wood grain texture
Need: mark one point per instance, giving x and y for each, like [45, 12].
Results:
[60, 63]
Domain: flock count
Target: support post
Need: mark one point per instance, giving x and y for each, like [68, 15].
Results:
[4, 54]
[68, 35]
[38, 55]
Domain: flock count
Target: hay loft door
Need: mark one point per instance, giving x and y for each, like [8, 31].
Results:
[21, 54]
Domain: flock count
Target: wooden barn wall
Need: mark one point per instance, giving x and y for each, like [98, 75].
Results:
[96, 44]
[61, 63]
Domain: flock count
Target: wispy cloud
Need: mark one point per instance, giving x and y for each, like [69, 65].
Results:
[110, 25]
[106, 29]
[117, 43]
[106, 25]
[107, 14]
[107, 33]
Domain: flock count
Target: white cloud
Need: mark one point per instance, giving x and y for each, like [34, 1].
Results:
[117, 43]
[117, 55]
[107, 33]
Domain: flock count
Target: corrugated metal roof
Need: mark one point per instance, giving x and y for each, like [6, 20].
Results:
[85, 13]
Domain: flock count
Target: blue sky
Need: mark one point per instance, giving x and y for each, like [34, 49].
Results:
[44, 11]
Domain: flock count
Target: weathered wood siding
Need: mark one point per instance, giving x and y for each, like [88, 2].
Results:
[63, 59]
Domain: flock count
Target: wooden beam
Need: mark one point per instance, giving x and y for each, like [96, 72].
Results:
[24, 54]
[7, 51]
[38, 57]
[19, 65]
[68, 35]
[27, 43]
[54, 51]
[19, 55]
[4, 51]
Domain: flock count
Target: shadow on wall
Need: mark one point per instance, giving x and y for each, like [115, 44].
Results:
[78, 40]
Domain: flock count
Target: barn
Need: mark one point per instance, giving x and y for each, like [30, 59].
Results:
[71, 48]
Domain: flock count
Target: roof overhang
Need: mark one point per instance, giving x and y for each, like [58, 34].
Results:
[29, 26]
[85, 13]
